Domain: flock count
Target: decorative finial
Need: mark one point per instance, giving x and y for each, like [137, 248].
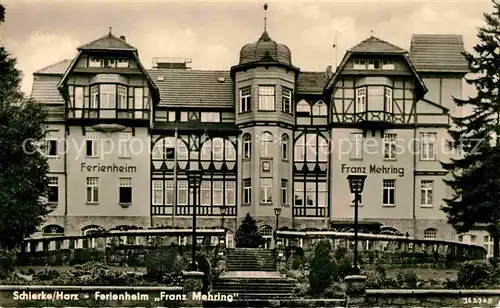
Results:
[371, 32]
[110, 28]
[265, 17]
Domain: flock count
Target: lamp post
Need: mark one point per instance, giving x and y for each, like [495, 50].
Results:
[194, 180]
[356, 184]
[223, 210]
[277, 212]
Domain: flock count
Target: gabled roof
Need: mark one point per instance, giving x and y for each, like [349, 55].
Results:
[44, 89]
[375, 45]
[371, 45]
[194, 88]
[438, 53]
[57, 68]
[108, 42]
[311, 82]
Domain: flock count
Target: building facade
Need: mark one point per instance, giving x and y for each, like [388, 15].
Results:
[264, 133]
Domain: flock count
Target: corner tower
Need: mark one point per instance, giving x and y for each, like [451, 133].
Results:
[264, 83]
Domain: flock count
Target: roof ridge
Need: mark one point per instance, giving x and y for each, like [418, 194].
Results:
[51, 66]
[185, 70]
[373, 38]
[108, 35]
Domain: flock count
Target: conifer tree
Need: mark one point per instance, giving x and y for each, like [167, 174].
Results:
[23, 169]
[248, 235]
[475, 171]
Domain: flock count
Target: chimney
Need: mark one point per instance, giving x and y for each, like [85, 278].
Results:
[329, 72]
[122, 38]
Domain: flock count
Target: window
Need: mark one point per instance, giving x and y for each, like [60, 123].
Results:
[169, 148]
[311, 194]
[473, 238]
[245, 99]
[171, 116]
[430, 233]
[299, 193]
[247, 146]
[124, 145]
[182, 150]
[361, 100]
[265, 141]
[322, 194]
[390, 146]
[109, 62]
[170, 192]
[53, 193]
[125, 190]
[300, 149]
[230, 151]
[247, 191]
[92, 144]
[51, 147]
[206, 193]
[303, 108]
[284, 191]
[287, 100]
[210, 117]
[359, 64]
[284, 147]
[92, 190]
[138, 98]
[388, 65]
[427, 146]
[388, 100]
[218, 187]
[230, 192]
[389, 192]
[426, 188]
[78, 97]
[266, 98]
[184, 116]
[218, 149]
[266, 190]
[122, 97]
[182, 192]
[323, 149]
[157, 192]
[319, 109]
[460, 238]
[108, 96]
[356, 150]
[373, 64]
[123, 63]
[94, 62]
[94, 97]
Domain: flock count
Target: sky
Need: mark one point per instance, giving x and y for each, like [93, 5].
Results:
[40, 33]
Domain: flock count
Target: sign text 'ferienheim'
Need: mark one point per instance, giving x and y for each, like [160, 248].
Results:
[374, 169]
[107, 168]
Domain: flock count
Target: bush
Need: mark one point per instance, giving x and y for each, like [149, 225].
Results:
[7, 261]
[475, 274]
[322, 268]
[163, 262]
[247, 235]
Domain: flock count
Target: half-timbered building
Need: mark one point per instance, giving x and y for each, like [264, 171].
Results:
[264, 134]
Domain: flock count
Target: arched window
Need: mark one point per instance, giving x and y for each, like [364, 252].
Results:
[182, 150]
[390, 231]
[319, 109]
[323, 149]
[230, 151]
[265, 144]
[311, 149]
[300, 149]
[247, 145]
[218, 148]
[53, 230]
[165, 148]
[430, 233]
[284, 146]
[92, 229]
[206, 150]
[303, 107]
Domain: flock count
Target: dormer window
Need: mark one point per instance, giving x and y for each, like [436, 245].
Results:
[359, 64]
[388, 65]
[109, 63]
[303, 108]
[122, 62]
[94, 62]
[373, 64]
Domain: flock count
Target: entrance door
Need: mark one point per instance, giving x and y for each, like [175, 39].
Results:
[267, 234]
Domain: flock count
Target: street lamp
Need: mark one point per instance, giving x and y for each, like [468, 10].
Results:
[223, 210]
[194, 180]
[356, 184]
[277, 212]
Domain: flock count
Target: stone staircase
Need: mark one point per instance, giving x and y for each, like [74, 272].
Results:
[250, 259]
[252, 279]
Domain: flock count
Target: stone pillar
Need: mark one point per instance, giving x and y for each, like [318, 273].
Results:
[192, 286]
[355, 290]
[280, 255]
